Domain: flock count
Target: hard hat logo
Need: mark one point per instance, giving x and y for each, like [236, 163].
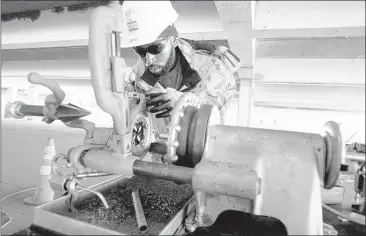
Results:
[131, 20]
[142, 22]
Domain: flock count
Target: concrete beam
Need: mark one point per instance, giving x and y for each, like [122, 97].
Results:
[46, 44]
[343, 32]
[341, 98]
[310, 71]
[306, 120]
[309, 14]
[73, 52]
[236, 17]
[335, 48]
[214, 35]
[237, 20]
[333, 32]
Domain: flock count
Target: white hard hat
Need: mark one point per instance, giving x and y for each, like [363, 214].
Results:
[144, 21]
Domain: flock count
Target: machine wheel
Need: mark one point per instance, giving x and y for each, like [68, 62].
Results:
[335, 153]
[188, 99]
[206, 116]
[188, 130]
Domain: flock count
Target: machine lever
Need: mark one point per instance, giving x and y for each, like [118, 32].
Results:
[102, 198]
[53, 109]
[70, 186]
[58, 94]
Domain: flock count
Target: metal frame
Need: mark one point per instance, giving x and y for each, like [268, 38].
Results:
[43, 218]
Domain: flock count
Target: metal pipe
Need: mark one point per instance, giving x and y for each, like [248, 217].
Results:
[90, 175]
[108, 162]
[159, 148]
[354, 156]
[162, 171]
[31, 110]
[139, 211]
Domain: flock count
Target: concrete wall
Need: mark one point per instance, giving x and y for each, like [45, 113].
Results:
[300, 84]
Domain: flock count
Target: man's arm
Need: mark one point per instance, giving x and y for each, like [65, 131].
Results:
[218, 84]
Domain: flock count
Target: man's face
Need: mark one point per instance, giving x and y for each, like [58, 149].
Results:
[156, 55]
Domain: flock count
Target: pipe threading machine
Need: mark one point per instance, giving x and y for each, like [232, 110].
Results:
[257, 171]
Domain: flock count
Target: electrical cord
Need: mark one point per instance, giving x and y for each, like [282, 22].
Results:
[10, 195]
[334, 211]
[10, 219]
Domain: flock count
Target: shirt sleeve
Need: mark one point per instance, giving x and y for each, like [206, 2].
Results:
[218, 84]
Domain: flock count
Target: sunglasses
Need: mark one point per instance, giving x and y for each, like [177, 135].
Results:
[153, 49]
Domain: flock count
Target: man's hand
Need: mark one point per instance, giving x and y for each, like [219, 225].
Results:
[162, 101]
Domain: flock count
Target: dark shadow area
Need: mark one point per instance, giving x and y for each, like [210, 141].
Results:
[343, 228]
[240, 223]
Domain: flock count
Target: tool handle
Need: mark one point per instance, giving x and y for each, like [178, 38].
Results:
[31, 110]
[19, 110]
[59, 95]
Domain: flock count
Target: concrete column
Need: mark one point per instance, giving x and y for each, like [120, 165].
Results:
[33, 94]
[238, 18]
[246, 93]
[12, 94]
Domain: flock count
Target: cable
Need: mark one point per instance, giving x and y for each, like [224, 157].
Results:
[23, 190]
[334, 211]
[11, 218]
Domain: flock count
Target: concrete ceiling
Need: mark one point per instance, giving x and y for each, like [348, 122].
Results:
[11, 6]
[200, 17]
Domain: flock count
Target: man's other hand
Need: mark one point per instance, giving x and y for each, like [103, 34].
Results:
[162, 101]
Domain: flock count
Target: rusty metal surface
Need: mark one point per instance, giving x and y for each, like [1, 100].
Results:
[162, 171]
[285, 162]
[165, 204]
[239, 182]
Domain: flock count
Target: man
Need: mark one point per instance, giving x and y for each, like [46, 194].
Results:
[181, 65]
[170, 66]
[173, 66]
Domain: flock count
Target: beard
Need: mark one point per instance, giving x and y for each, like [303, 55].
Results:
[161, 70]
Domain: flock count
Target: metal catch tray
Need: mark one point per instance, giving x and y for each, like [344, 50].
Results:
[165, 203]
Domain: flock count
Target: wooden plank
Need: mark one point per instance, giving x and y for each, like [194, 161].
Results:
[350, 98]
[338, 48]
[318, 71]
